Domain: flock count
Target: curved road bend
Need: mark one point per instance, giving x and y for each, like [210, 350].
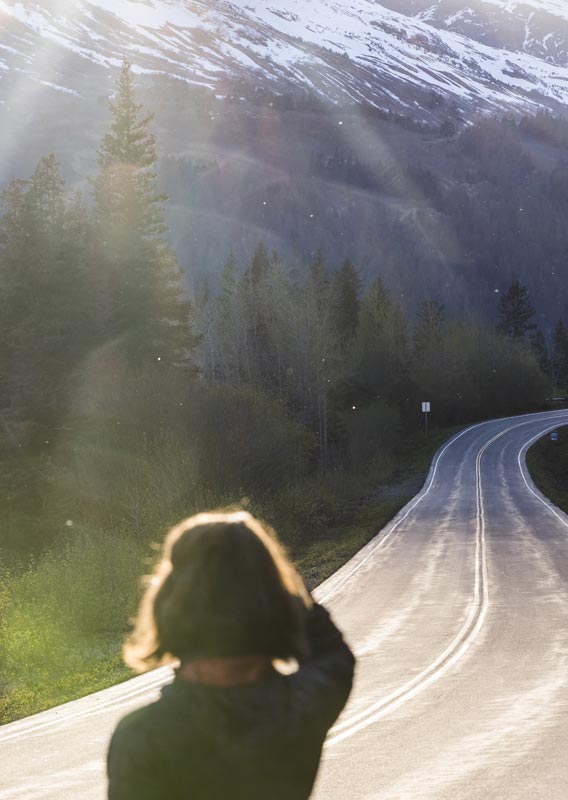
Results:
[458, 614]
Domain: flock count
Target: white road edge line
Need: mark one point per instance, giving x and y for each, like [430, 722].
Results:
[88, 712]
[397, 522]
[461, 643]
[455, 649]
[418, 499]
[521, 459]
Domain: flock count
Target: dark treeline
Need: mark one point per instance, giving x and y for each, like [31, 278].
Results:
[350, 368]
[123, 406]
[97, 343]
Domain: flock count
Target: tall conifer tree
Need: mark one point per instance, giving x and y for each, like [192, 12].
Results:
[516, 312]
[257, 344]
[45, 297]
[561, 354]
[142, 300]
[345, 290]
[429, 321]
[379, 349]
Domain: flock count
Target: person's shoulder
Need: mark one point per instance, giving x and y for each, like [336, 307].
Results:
[136, 757]
[137, 723]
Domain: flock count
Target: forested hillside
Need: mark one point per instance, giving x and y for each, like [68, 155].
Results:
[292, 388]
[454, 208]
[124, 404]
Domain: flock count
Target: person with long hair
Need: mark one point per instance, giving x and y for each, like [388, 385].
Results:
[238, 721]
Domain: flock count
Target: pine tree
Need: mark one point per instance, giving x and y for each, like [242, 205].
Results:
[323, 349]
[46, 195]
[206, 321]
[46, 307]
[142, 303]
[543, 348]
[374, 311]
[430, 320]
[346, 304]
[258, 362]
[126, 185]
[380, 347]
[561, 354]
[318, 282]
[229, 284]
[231, 328]
[14, 282]
[516, 312]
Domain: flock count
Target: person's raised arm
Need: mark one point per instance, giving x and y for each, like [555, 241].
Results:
[324, 679]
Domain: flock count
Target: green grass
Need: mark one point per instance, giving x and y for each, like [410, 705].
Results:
[548, 464]
[63, 617]
[320, 559]
[362, 509]
[62, 621]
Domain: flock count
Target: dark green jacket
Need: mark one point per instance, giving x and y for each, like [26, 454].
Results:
[259, 741]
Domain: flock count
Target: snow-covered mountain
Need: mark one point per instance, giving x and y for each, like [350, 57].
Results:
[397, 54]
[535, 27]
[438, 208]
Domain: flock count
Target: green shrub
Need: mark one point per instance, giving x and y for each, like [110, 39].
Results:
[372, 432]
[245, 442]
[473, 373]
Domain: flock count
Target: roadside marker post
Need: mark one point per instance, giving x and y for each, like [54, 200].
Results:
[426, 411]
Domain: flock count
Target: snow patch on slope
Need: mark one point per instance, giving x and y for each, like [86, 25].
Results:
[360, 50]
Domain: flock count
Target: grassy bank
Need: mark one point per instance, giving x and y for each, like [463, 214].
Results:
[363, 505]
[548, 465]
[63, 617]
[60, 622]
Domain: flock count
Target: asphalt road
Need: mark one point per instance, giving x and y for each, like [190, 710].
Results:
[458, 614]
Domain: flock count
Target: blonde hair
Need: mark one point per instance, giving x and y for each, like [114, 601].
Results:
[223, 587]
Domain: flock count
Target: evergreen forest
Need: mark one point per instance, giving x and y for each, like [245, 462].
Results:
[128, 402]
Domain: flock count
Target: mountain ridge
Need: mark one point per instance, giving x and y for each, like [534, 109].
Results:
[392, 54]
[315, 149]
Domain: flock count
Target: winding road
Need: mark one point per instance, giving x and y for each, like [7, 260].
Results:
[458, 614]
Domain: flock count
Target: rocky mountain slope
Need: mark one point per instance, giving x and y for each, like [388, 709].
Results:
[536, 27]
[320, 124]
[394, 54]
